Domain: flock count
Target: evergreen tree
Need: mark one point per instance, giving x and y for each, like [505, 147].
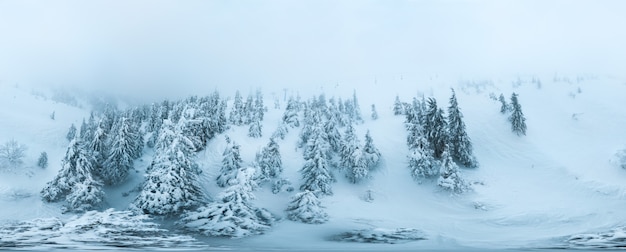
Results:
[333, 135]
[518, 121]
[236, 113]
[42, 162]
[504, 107]
[374, 113]
[171, 185]
[356, 109]
[75, 181]
[349, 144]
[422, 163]
[231, 163]
[290, 117]
[398, 109]
[435, 128]
[255, 129]
[259, 108]
[315, 172]
[307, 208]
[449, 177]
[119, 159]
[459, 142]
[71, 133]
[233, 215]
[371, 153]
[358, 169]
[269, 161]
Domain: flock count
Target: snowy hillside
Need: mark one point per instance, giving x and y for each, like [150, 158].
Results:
[537, 190]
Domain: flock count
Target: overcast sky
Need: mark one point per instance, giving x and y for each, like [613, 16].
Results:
[178, 46]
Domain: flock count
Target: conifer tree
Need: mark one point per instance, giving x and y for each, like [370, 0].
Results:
[348, 144]
[435, 128]
[269, 161]
[422, 162]
[374, 113]
[518, 121]
[233, 215]
[504, 107]
[398, 109]
[332, 134]
[449, 176]
[231, 163]
[75, 182]
[119, 159]
[356, 109]
[236, 113]
[42, 162]
[255, 129]
[459, 142]
[290, 117]
[371, 153]
[315, 172]
[358, 169]
[171, 185]
[71, 133]
[307, 208]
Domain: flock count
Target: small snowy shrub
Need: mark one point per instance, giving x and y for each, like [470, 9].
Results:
[621, 158]
[306, 207]
[11, 154]
[42, 162]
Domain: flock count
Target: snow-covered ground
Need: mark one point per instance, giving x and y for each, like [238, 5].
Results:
[533, 191]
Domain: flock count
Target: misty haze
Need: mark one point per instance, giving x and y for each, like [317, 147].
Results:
[312, 125]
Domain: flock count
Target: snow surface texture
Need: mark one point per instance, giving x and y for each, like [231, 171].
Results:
[561, 178]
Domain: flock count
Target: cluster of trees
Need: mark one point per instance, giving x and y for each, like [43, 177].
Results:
[517, 119]
[437, 143]
[249, 113]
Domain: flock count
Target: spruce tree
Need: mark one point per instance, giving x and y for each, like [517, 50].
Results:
[269, 161]
[231, 163]
[316, 175]
[42, 162]
[358, 169]
[518, 121]
[171, 185]
[233, 215]
[371, 153]
[449, 176]
[356, 109]
[290, 117]
[71, 133]
[236, 113]
[75, 182]
[349, 144]
[305, 207]
[398, 109]
[435, 128]
[459, 142]
[374, 113]
[504, 106]
[119, 159]
[255, 129]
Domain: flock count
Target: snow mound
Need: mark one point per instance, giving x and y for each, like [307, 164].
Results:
[109, 228]
[380, 235]
[613, 239]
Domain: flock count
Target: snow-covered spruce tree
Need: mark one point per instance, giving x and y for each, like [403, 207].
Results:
[518, 121]
[332, 134]
[398, 109]
[504, 106]
[358, 169]
[316, 174]
[231, 163]
[119, 159]
[236, 112]
[356, 109]
[371, 154]
[312, 119]
[98, 146]
[374, 113]
[71, 133]
[42, 162]
[435, 128]
[281, 131]
[255, 129]
[259, 108]
[422, 162]
[290, 117]
[75, 182]
[307, 208]
[458, 140]
[233, 215]
[349, 143]
[269, 161]
[449, 175]
[171, 185]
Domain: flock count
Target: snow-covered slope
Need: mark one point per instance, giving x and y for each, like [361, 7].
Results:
[529, 191]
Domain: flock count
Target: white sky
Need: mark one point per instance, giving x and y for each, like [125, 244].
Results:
[174, 47]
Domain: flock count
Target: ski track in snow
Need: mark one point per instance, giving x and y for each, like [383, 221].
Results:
[530, 191]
